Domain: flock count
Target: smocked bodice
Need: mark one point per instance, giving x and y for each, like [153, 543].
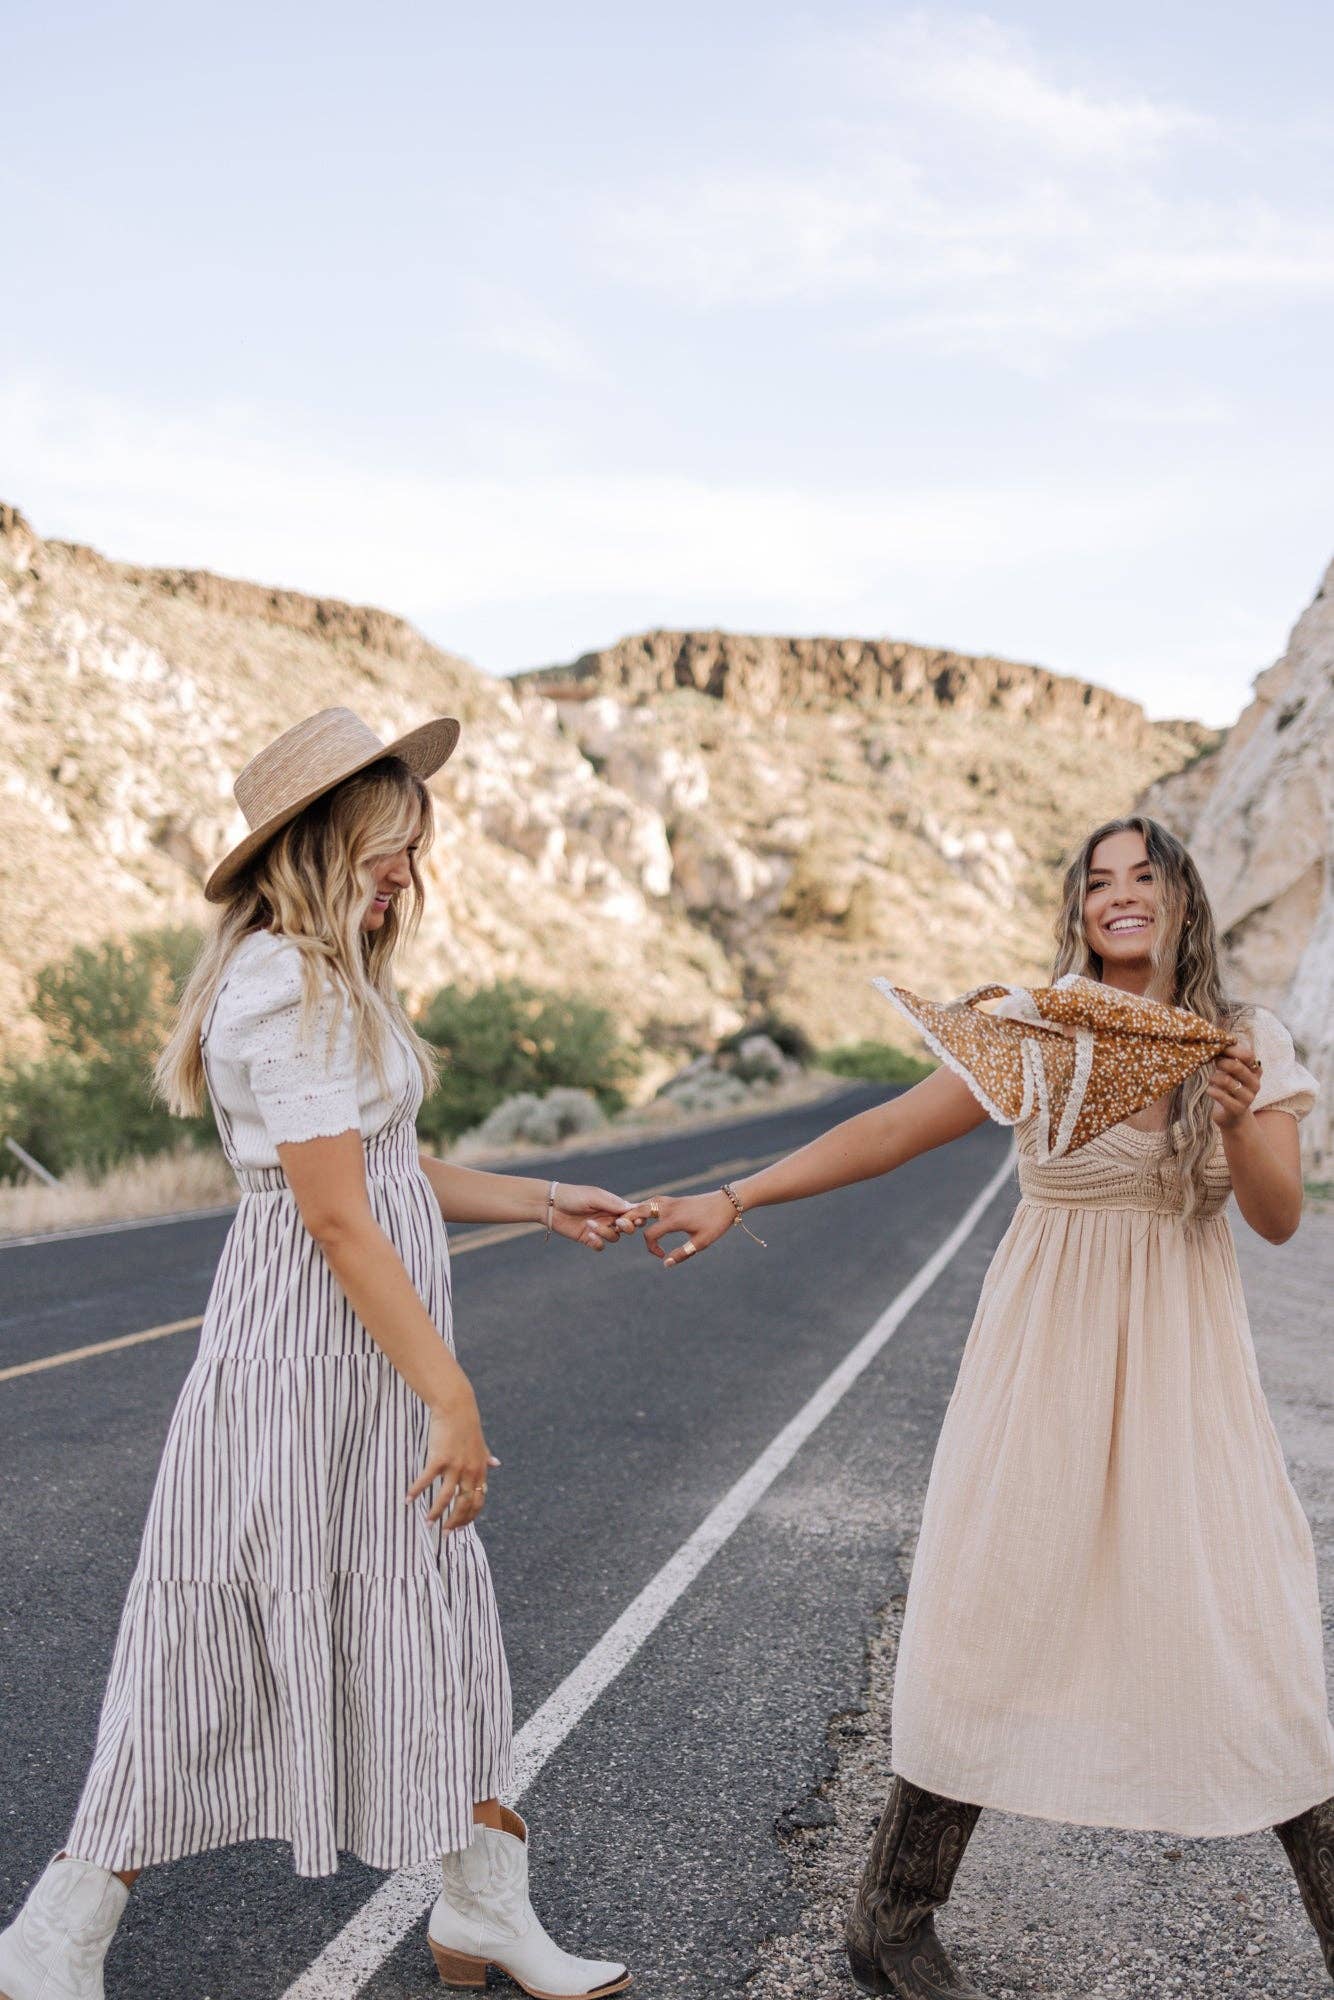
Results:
[1123, 1168]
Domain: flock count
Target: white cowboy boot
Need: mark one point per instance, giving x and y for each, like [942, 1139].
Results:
[55, 1946]
[483, 1917]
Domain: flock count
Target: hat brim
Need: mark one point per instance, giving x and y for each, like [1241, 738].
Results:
[423, 750]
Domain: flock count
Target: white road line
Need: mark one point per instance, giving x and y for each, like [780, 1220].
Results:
[349, 1960]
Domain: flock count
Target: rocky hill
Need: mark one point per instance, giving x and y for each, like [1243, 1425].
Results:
[1259, 816]
[690, 825]
[770, 675]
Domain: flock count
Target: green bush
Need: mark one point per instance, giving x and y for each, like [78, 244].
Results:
[875, 1062]
[107, 1010]
[511, 1038]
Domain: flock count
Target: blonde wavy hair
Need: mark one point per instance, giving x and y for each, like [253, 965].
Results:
[1186, 971]
[312, 883]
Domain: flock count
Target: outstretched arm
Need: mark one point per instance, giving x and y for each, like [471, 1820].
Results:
[585, 1214]
[938, 1109]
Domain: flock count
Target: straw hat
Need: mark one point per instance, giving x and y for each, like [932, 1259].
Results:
[308, 760]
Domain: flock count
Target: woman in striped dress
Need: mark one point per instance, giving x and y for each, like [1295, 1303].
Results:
[310, 1650]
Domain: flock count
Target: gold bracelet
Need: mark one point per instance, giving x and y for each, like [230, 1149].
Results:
[738, 1221]
[551, 1211]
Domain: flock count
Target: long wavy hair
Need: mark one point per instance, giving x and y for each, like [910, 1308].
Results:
[1186, 971]
[312, 883]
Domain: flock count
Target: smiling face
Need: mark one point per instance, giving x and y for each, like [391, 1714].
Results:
[1121, 903]
[390, 875]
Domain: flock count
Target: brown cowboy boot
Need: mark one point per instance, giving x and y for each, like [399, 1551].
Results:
[891, 1936]
[1309, 1843]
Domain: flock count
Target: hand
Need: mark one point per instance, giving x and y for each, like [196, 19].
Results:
[590, 1215]
[702, 1217]
[1234, 1083]
[457, 1456]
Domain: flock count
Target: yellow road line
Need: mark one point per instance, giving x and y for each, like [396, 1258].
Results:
[99, 1347]
[501, 1233]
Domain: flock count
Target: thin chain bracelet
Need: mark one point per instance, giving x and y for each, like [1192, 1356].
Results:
[551, 1211]
[740, 1222]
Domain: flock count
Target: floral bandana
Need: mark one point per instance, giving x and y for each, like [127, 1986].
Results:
[1081, 1054]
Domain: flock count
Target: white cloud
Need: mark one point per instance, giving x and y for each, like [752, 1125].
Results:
[972, 201]
[502, 319]
[1017, 567]
[971, 68]
[1187, 408]
[211, 489]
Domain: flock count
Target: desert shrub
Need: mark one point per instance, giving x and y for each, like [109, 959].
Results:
[106, 1010]
[115, 999]
[706, 1090]
[760, 1060]
[540, 1121]
[875, 1062]
[45, 1106]
[811, 896]
[860, 922]
[510, 1039]
[786, 1035]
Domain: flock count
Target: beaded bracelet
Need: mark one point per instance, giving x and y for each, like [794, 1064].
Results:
[738, 1221]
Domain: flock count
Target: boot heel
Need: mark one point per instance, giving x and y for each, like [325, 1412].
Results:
[456, 1969]
[866, 1974]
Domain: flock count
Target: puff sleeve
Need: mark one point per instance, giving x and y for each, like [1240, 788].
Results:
[1285, 1084]
[303, 1077]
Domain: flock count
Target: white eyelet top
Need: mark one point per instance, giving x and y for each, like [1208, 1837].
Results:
[274, 1085]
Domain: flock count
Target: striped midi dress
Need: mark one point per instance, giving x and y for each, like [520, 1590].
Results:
[301, 1656]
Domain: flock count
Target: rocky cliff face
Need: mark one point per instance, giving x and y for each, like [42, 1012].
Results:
[1259, 817]
[766, 675]
[129, 698]
[689, 826]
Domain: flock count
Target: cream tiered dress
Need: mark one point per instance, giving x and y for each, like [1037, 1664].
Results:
[1113, 1616]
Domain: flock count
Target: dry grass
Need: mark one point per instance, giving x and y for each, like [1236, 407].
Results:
[186, 1179]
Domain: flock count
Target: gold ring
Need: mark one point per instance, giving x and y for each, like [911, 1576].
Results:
[654, 1210]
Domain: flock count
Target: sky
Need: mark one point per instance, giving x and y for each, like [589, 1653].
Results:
[1005, 329]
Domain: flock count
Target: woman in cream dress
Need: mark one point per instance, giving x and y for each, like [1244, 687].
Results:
[1112, 1617]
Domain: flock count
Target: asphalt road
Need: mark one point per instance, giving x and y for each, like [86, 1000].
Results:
[624, 1402]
